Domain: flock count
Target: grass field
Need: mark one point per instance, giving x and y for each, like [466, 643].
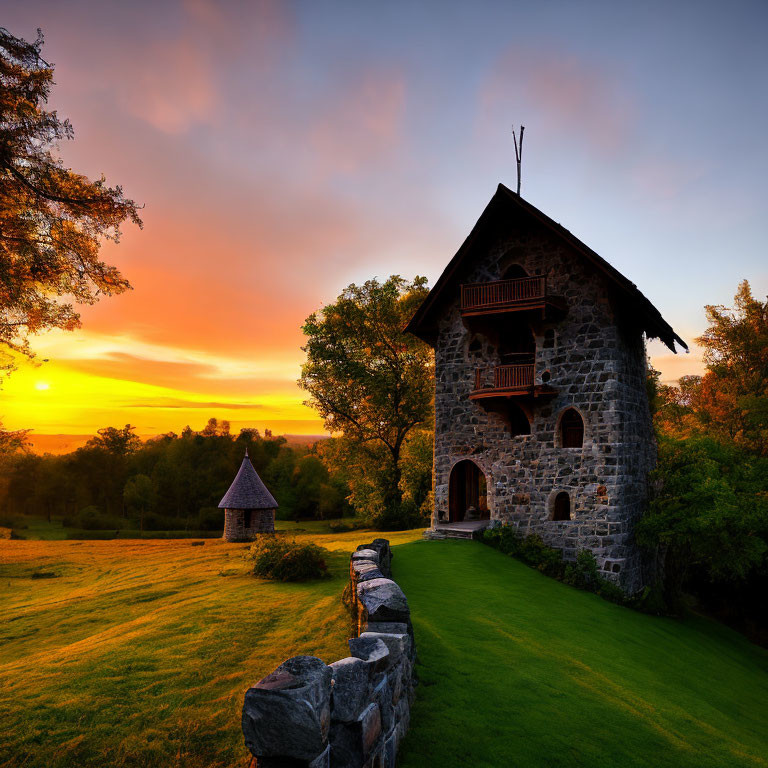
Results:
[137, 653]
[40, 529]
[520, 670]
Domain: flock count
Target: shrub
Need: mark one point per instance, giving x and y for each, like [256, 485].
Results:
[583, 573]
[279, 559]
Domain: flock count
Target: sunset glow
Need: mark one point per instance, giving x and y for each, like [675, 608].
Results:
[283, 151]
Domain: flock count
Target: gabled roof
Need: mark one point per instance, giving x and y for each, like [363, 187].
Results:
[505, 203]
[247, 491]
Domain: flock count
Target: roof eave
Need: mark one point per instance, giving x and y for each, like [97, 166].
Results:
[654, 327]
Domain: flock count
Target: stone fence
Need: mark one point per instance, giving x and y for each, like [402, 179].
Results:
[354, 712]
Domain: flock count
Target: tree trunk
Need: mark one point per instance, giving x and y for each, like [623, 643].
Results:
[394, 492]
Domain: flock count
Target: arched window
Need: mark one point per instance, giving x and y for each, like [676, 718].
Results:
[572, 429]
[562, 507]
[514, 272]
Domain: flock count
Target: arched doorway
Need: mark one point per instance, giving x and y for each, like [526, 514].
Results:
[467, 493]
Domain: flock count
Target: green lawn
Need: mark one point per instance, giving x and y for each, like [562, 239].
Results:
[519, 670]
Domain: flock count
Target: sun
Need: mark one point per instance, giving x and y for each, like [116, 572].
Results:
[42, 385]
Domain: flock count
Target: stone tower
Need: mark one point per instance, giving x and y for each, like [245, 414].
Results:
[249, 508]
[541, 411]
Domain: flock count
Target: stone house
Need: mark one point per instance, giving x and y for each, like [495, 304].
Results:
[249, 508]
[541, 412]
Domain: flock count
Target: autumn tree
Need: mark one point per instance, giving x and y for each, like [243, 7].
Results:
[52, 219]
[369, 381]
[732, 400]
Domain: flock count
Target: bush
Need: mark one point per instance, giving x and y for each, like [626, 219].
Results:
[279, 559]
[583, 573]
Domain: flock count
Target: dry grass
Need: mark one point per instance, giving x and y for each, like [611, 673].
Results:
[137, 653]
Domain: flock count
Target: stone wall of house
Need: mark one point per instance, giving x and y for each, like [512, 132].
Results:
[597, 368]
[244, 524]
[354, 712]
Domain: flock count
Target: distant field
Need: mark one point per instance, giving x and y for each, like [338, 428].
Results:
[39, 529]
[520, 670]
[137, 653]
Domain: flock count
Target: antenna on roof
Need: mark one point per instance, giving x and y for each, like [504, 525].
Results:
[518, 154]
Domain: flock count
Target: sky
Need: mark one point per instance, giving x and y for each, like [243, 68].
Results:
[283, 150]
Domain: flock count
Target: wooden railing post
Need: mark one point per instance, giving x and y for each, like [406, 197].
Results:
[494, 293]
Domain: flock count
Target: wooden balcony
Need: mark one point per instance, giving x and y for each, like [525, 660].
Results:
[507, 381]
[524, 294]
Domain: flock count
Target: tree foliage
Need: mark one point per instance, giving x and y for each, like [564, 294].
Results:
[707, 526]
[730, 401]
[171, 482]
[52, 219]
[709, 512]
[372, 384]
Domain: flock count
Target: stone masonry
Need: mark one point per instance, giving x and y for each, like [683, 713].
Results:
[245, 524]
[593, 357]
[354, 712]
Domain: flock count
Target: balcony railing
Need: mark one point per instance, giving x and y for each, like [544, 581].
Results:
[504, 378]
[500, 293]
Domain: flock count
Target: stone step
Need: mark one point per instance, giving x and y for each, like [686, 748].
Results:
[457, 534]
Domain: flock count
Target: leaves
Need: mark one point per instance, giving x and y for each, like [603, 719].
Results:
[369, 381]
[52, 219]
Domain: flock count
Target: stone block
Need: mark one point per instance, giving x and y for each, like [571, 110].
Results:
[398, 645]
[383, 600]
[371, 650]
[350, 693]
[382, 695]
[395, 627]
[391, 744]
[353, 743]
[288, 713]
[323, 760]
[366, 554]
[364, 570]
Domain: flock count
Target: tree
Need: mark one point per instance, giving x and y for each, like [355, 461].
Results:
[119, 442]
[52, 219]
[139, 495]
[732, 400]
[708, 518]
[369, 381]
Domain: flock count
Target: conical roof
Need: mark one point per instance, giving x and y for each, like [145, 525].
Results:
[247, 491]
